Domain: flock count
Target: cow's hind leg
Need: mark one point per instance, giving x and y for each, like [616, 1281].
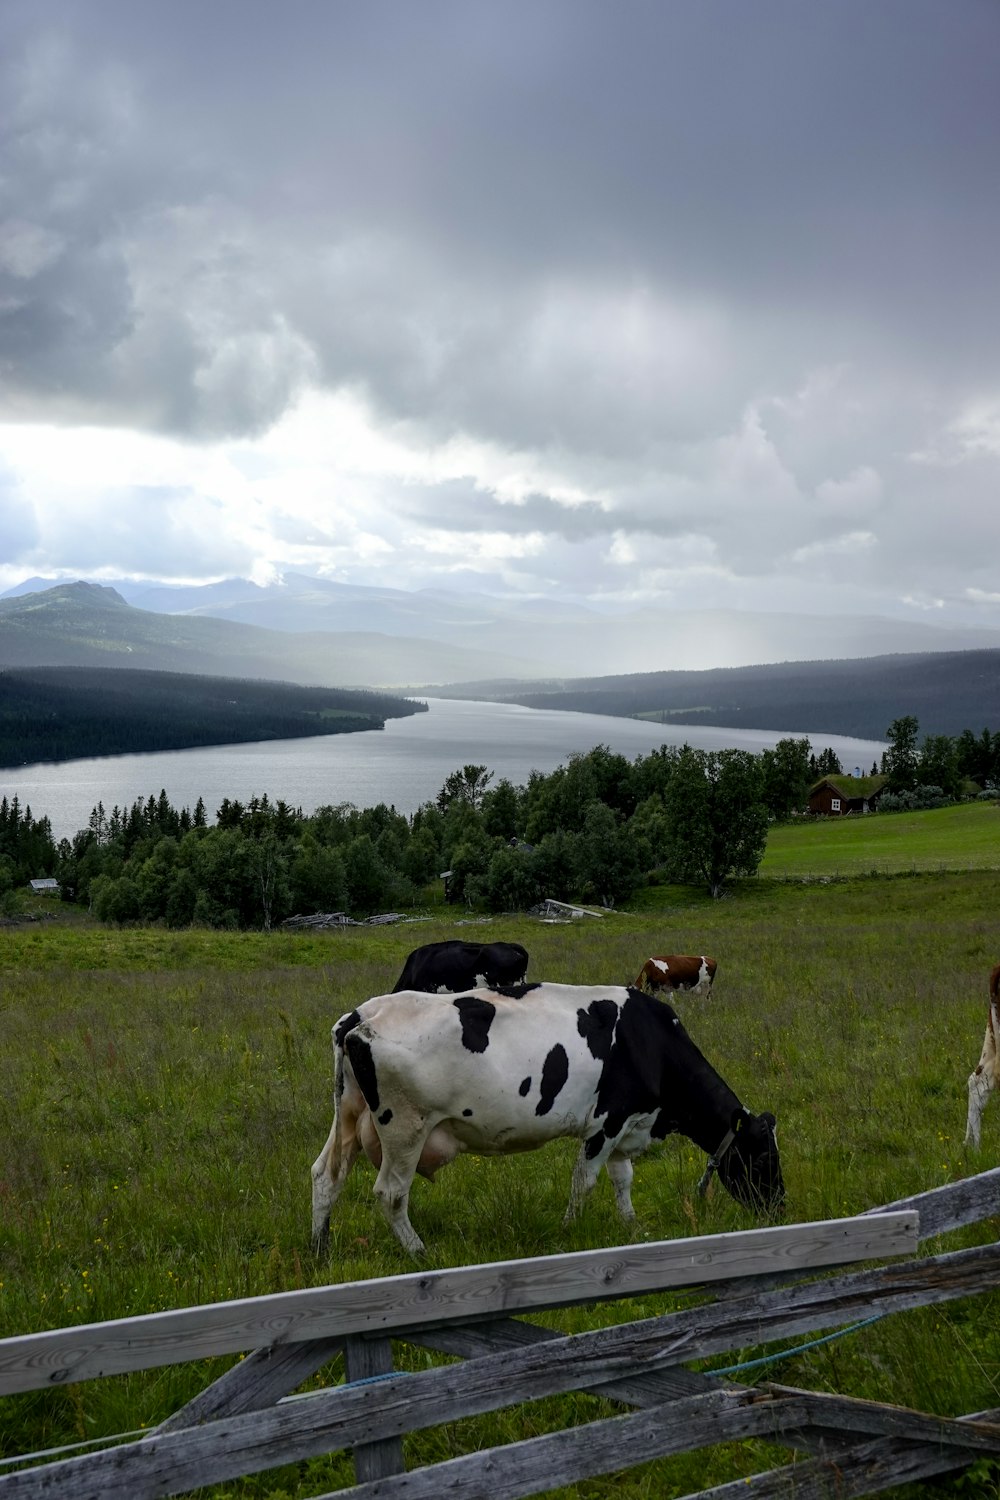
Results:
[981, 1080]
[402, 1146]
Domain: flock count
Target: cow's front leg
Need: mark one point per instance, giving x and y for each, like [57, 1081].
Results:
[980, 1084]
[620, 1172]
[981, 1081]
[590, 1159]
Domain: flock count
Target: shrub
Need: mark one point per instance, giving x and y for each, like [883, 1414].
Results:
[920, 799]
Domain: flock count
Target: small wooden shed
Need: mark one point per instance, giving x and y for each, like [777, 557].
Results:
[836, 795]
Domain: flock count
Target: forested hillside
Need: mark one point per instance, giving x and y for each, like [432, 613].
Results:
[948, 691]
[595, 829]
[65, 713]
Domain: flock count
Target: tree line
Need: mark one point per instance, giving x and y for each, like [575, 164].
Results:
[946, 689]
[595, 829]
[63, 713]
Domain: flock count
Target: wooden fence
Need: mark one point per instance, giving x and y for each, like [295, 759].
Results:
[766, 1288]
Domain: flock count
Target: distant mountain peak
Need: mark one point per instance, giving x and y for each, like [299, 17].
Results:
[86, 593]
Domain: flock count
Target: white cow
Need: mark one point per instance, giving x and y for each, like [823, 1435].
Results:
[986, 1073]
[421, 1078]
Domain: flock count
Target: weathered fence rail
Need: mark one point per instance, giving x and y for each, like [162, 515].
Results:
[242, 1424]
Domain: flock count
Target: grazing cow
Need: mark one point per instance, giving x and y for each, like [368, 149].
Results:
[420, 1079]
[986, 1074]
[456, 966]
[678, 971]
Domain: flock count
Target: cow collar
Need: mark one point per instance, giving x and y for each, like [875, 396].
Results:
[715, 1159]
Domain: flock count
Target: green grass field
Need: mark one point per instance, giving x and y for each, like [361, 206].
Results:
[964, 837]
[163, 1094]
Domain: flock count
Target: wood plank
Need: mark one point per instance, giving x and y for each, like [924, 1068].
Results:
[137, 1472]
[173, 1462]
[524, 1469]
[955, 1204]
[364, 1360]
[640, 1390]
[256, 1382]
[576, 1453]
[941, 1209]
[423, 1298]
[846, 1471]
[494, 1338]
[884, 1419]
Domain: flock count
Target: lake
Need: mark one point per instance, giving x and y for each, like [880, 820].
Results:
[405, 764]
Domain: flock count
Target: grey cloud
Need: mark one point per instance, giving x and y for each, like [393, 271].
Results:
[411, 193]
[719, 267]
[458, 506]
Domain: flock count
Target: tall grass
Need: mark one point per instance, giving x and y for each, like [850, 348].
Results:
[162, 1096]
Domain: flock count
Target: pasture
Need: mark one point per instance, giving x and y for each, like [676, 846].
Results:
[163, 1095]
[963, 837]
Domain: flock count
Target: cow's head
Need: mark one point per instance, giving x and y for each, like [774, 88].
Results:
[749, 1168]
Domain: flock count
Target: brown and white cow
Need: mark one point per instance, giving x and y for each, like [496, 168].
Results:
[678, 971]
[986, 1074]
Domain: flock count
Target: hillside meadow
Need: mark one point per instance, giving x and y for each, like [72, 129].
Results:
[963, 837]
[162, 1096]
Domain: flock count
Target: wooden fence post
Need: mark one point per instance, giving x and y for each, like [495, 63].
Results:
[363, 1359]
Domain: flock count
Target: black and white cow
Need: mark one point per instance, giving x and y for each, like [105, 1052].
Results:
[455, 966]
[420, 1079]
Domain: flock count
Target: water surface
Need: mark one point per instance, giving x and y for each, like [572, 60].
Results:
[405, 764]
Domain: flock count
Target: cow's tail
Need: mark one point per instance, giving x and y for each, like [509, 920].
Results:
[337, 1154]
[331, 1167]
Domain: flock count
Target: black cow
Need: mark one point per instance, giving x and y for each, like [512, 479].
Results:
[456, 966]
[420, 1079]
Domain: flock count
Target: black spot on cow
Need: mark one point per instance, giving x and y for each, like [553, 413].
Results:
[594, 1146]
[663, 1125]
[363, 1064]
[616, 1121]
[516, 991]
[344, 1025]
[525, 1086]
[555, 1071]
[633, 1076]
[385, 1117]
[477, 1018]
[596, 1025]
[467, 1113]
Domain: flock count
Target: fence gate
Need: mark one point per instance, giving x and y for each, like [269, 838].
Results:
[767, 1286]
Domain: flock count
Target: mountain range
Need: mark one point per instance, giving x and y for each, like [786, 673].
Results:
[92, 625]
[88, 625]
[325, 633]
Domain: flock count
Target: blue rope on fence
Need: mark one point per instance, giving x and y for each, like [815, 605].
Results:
[770, 1359]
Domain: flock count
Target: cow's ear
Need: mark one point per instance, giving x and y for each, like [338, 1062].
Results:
[737, 1121]
[768, 1118]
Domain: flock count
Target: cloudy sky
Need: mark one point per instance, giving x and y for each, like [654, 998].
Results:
[694, 302]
